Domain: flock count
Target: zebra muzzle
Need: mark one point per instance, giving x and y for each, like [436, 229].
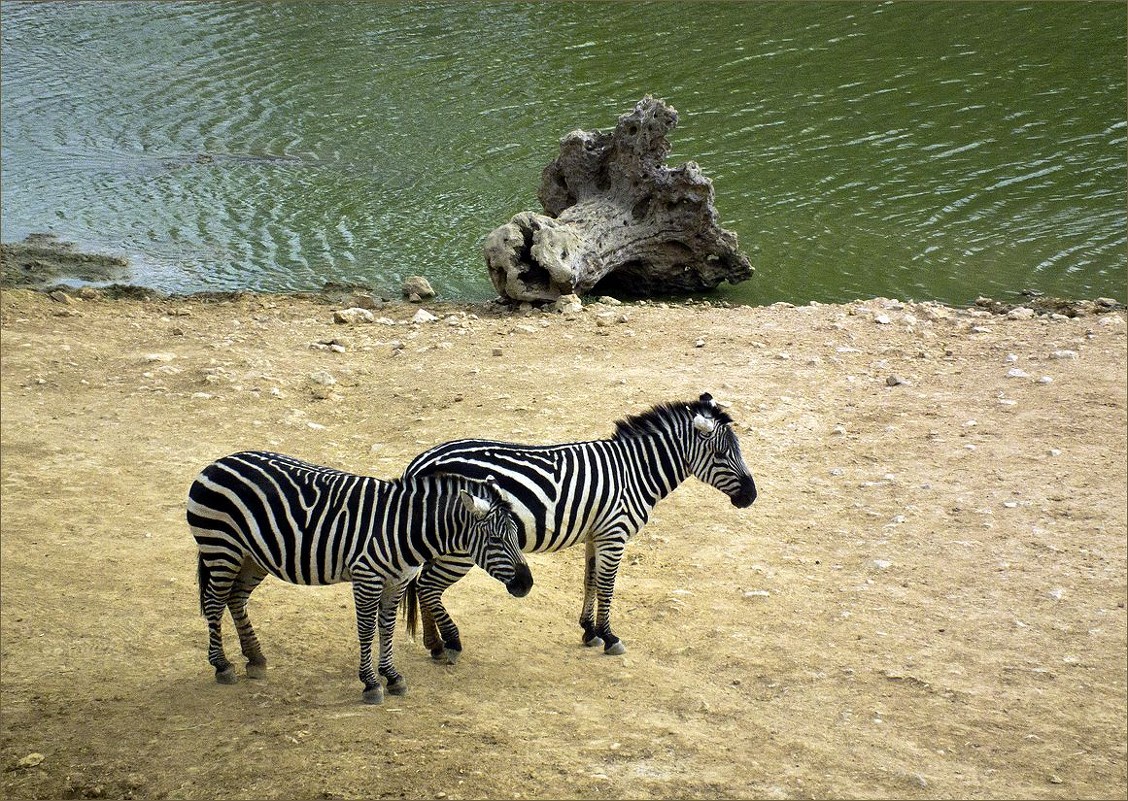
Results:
[521, 582]
[744, 497]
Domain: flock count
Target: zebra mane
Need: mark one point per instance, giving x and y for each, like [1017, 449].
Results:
[487, 490]
[657, 418]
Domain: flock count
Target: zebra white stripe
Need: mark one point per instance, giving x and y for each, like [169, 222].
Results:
[255, 514]
[598, 492]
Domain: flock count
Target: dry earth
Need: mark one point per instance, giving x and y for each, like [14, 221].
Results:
[926, 601]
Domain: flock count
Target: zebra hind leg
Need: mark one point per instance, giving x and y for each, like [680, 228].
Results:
[215, 587]
[250, 576]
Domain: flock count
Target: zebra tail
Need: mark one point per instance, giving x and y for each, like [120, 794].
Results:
[409, 605]
[203, 575]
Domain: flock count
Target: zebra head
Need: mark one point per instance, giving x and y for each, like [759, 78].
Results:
[493, 537]
[713, 452]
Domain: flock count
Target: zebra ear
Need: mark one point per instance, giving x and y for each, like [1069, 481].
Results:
[474, 505]
[707, 398]
[703, 424]
[494, 489]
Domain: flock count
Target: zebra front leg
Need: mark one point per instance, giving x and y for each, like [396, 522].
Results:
[250, 576]
[367, 590]
[389, 602]
[591, 637]
[215, 587]
[440, 634]
[608, 555]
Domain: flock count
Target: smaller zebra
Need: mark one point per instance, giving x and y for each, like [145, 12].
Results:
[257, 513]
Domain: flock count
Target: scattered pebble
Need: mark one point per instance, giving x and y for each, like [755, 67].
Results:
[30, 761]
[352, 316]
[1016, 372]
[423, 316]
[896, 380]
[1063, 354]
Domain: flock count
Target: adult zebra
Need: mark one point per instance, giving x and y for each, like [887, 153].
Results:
[256, 513]
[598, 492]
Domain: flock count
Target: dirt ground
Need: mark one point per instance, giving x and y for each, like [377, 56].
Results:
[927, 600]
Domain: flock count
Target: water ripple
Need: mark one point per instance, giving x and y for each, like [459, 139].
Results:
[277, 146]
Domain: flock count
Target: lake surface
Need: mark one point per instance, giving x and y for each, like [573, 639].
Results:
[912, 150]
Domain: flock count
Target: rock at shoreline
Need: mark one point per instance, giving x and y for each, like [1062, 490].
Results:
[617, 219]
[416, 288]
[43, 260]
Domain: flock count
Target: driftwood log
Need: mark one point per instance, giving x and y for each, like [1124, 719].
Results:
[616, 220]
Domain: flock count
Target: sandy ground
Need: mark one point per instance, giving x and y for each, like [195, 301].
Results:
[927, 600]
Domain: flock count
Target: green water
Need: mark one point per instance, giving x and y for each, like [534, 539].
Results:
[912, 150]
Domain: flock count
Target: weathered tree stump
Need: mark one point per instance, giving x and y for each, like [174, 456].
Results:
[617, 220]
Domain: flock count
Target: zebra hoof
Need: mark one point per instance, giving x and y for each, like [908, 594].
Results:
[397, 687]
[451, 656]
[594, 642]
[374, 695]
[618, 649]
[226, 676]
[256, 671]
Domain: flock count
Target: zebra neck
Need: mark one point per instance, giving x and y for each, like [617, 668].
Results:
[659, 463]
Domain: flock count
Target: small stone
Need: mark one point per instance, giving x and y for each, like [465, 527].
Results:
[1063, 354]
[882, 319]
[1045, 380]
[700, 343]
[498, 351]
[1016, 372]
[423, 316]
[1055, 452]
[321, 384]
[895, 381]
[363, 300]
[417, 285]
[1055, 779]
[1011, 358]
[607, 300]
[31, 760]
[160, 357]
[568, 304]
[1020, 313]
[352, 315]
[882, 564]
[61, 297]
